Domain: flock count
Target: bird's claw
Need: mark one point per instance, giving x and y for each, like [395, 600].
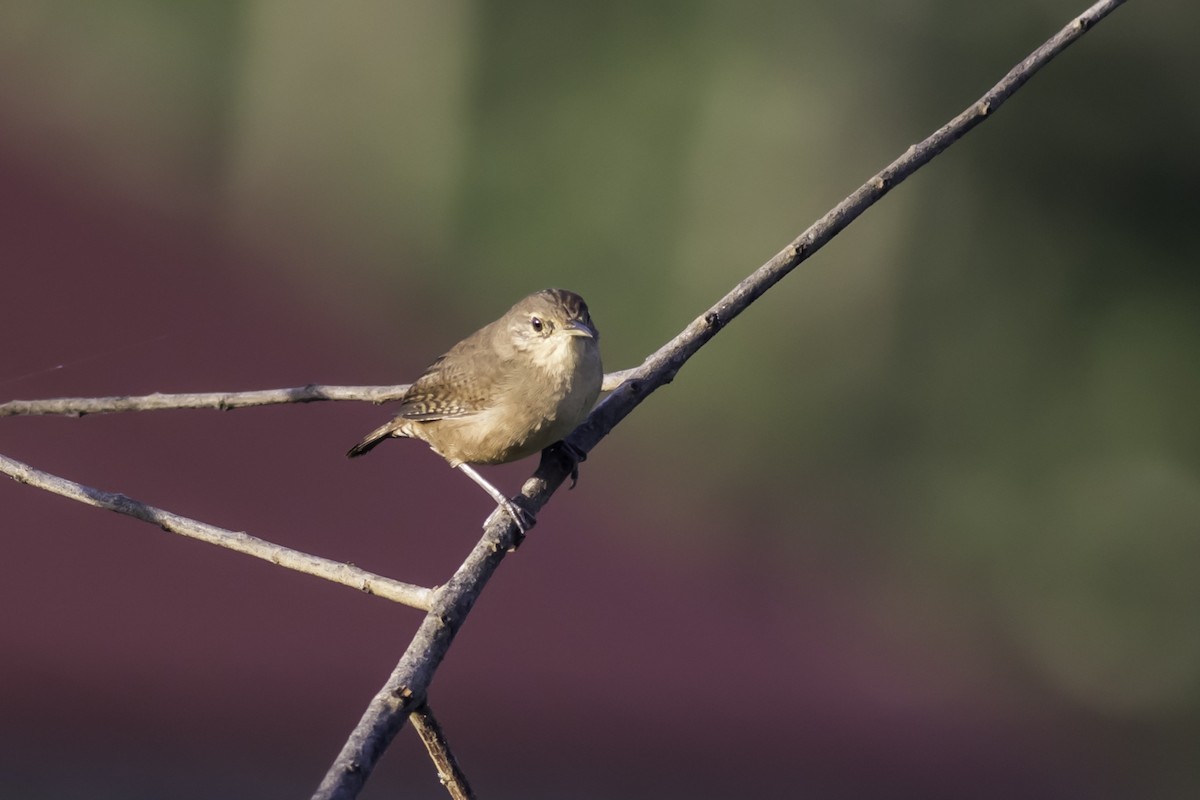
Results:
[576, 456]
[520, 517]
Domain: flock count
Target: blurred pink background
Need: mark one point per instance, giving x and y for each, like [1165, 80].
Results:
[924, 523]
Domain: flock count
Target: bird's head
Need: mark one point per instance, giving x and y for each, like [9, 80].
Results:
[551, 324]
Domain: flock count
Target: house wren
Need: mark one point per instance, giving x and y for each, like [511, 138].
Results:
[507, 391]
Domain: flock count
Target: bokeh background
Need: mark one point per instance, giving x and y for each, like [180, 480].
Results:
[925, 522]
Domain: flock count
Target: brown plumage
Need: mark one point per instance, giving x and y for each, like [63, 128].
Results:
[507, 391]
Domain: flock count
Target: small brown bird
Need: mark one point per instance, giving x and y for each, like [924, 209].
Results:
[507, 391]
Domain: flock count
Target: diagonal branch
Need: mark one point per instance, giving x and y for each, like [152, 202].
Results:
[661, 367]
[345, 574]
[449, 773]
[405, 689]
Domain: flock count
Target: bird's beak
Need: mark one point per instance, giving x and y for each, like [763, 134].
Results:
[578, 327]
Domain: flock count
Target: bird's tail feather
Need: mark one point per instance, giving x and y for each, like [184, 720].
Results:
[373, 438]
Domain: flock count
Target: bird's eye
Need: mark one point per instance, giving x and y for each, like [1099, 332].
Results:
[536, 323]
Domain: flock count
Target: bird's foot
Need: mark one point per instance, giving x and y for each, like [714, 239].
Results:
[573, 454]
[520, 517]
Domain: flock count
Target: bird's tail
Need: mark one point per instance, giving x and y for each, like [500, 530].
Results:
[373, 438]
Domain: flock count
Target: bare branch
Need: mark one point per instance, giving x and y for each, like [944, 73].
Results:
[345, 574]
[661, 367]
[614, 379]
[449, 773]
[222, 401]
[406, 687]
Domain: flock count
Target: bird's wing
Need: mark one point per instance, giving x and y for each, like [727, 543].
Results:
[444, 390]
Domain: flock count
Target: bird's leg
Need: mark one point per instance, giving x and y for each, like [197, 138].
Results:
[520, 516]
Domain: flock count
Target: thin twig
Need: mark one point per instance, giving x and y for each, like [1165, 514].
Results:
[345, 574]
[406, 688]
[449, 773]
[221, 401]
